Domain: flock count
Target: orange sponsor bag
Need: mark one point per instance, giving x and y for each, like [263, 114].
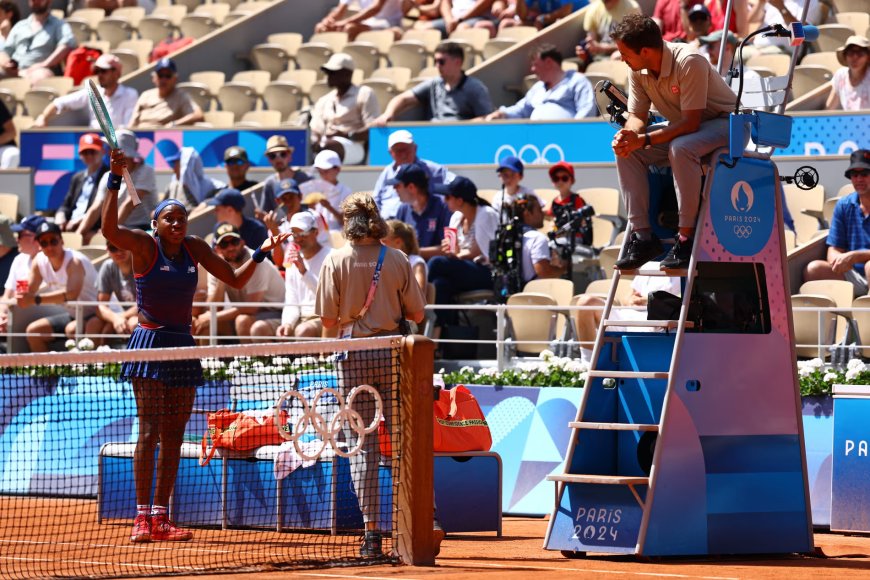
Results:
[459, 422]
[241, 431]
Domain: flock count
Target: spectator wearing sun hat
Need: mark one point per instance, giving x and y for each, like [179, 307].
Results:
[340, 118]
[165, 105]
[324, 194]
[280, 154]
[83, 185]
[120, 99]
[850, 86]
[145, 182]
[228, 206]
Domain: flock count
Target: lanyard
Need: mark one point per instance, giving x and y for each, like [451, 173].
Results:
[375, 279]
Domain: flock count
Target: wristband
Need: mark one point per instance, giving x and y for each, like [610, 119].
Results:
[259, 255]
[37, 299]
[114, 182]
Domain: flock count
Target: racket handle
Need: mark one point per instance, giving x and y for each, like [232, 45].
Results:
[131, 188]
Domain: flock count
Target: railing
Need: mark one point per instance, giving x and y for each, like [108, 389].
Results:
[565, 345]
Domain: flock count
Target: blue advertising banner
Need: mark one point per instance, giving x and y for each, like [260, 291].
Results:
[53, 155]
[850, 502]
[588, 141]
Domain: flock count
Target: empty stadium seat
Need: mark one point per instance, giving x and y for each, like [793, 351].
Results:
[290, 41]
[219, 119]
[272, 58]
[825, 59]
[384, 90]
[313, 56]
[199, 92]
[398, 76]
[317, 91]
[283, 96]
[262, 118]
[616, 71]
[334, 40]
[366, 57]
[237, 98]
[862, 6]
[411, 55]
[213, 79]
[472, 41]
[115, 30]
[14, 89]
[164, 22]
[857, 21]
[506, 38]
[84, 21]
[832, 36]
[129, 60]
[303, 77]
[141, 46]
[37, 99]
[258, 79]
[778, 63]
[62, 85]
[808, 77]
[798, 200]
[429, 38]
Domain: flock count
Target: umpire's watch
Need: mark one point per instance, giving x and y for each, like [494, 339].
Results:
[647, 144]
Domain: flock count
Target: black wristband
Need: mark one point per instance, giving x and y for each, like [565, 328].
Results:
[114, 182]
[259, 255]
[37, 299]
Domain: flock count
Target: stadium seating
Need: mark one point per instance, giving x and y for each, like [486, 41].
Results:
[832, 36]
[83, 23]
[808, 77]
[857, 21]
[411, 55]
[825, 59]
[164, 22]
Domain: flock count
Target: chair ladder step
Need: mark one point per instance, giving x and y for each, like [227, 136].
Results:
[629, 374]
[647, 323]
[613, 426]
[682, 273]
[599, 479]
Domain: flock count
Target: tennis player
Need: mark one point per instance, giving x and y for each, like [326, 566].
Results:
[165, 270]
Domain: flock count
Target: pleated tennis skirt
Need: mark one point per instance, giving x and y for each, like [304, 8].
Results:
[172, 373]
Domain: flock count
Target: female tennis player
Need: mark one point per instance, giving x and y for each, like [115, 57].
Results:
[165, 270]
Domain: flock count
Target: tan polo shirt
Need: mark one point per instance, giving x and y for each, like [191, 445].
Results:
[354, 111]
[687, 82]
[344, 283]
[153, 110]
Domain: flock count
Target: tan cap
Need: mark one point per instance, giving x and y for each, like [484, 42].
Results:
[277, 143]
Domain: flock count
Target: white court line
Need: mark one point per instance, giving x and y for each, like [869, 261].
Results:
[323, 575]
[594, 571]
[134, 547]
[98, 563]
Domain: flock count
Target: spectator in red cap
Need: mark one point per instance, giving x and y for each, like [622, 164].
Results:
[120, 99]
[567, 202]
[83, 186]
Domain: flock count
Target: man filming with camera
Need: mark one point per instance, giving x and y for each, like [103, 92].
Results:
[538, 261]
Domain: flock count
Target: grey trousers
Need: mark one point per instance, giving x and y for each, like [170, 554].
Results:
[683, 154]
[376, 368]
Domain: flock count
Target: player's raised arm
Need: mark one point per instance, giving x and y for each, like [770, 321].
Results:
[221, 269]
[136, 241]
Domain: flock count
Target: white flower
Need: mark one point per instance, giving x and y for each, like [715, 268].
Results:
[281, 361]
[86, 344]
[234, 366]
[852, 374]
[815, 363]
[212, 364]
[258, 368]
[442, 371]
[546, 354]
[855, 364]
[104, 348]
[530, 367]
[829, 377]
[577, 366]
[466, 369]
[805, 371]
[488, 372]
[70, 344]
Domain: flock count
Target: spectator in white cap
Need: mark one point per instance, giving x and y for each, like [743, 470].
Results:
[145, 182]
[372, 15]
[165, 105]
[120, 99]
[403, 150]
[302, 264]
[341, 117]
[325, 194]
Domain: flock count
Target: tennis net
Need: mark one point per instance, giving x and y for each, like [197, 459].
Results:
[298, 495]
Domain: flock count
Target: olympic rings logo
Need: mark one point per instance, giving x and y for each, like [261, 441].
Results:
[329, 430]
[530, 154]
[743, 232]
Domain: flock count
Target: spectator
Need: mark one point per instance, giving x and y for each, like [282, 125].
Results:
[371, 15]
[340, 118]
[347, 276]
[848, 238]
[537, 259]
[10, 155]
[457, 14]
[467, 269]
[290, 200]
[237, 164]
[83, 185]
[711, 45]
[36, 46]
[302, 272]
[540, 13]
[228, 205]
[403, 150]
[566, 202]
[851, 84]
[452, 96]
[145, 182]
[696, 106]
[9, 16]
[8, 247]
[426, 212]
[264, 286]
[18, 280]
[189, 184]
[557, 95]
[110, 5]
[115, 279]
[668, 15]
[68, 276]
[165, 105]
[403, 237]
[120, 99]
[510, 171]
[700, 23]
[324, 195]
[279, 153]
[599, 20]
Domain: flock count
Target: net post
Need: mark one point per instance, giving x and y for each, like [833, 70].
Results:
[415, 499]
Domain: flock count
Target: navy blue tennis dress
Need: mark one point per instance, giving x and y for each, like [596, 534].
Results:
[164, 295]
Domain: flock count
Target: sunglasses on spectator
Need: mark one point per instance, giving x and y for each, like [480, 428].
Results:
[165, 75]
[235, 162]
[440, 61]
[44, 243]
[101, 71]
[277, 154]
[224, 244]
[560, 177]
[859, 173]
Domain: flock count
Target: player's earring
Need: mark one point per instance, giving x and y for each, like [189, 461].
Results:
[154, 227]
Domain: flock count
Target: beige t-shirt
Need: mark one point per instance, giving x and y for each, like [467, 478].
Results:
[153, 110]
[266, 279]
[354, 111]
[687, 82]
[344, 283]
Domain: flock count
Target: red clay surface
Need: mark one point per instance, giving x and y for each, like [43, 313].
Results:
[40, 538]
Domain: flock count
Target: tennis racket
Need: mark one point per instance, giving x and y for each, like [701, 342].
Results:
[102, 115]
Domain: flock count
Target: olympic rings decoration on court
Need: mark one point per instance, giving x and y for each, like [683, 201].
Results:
[743, 232]
[329, 431]
[538, 156]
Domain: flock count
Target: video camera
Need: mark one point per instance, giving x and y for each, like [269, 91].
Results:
[506, 257]
[612, 101]
[577, 226]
